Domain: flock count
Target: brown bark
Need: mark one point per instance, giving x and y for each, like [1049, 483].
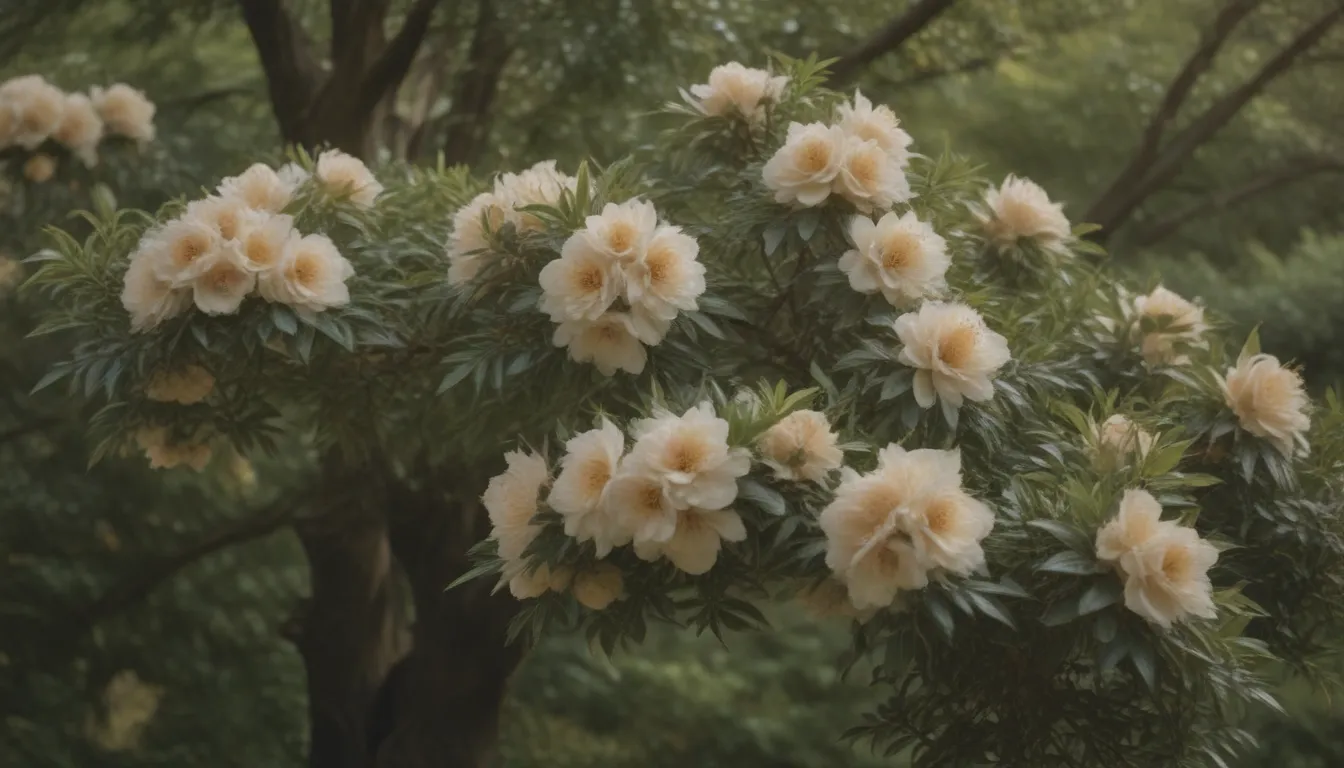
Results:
[1154, 167]
[474, 95]
[443, 703]
[887, 39]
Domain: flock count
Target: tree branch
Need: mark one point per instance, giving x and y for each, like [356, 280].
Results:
[132, 590]
[887, 39]
[1118, 203]
[1231, 196]
[292, 75]
[391, 66]
[919, 77]
[475, 93]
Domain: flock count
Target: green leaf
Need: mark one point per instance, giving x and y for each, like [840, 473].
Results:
[807, 223]
[1071, 563]
[825, 382]
[1145, 663]
[1252, 346]
[896, 385]
[942, 615]
[1062, 612]
[284, 320]
[991, 607]
[1066, 534]
[51, 377]
[773, 236]
[1104, 593]
[767, 499]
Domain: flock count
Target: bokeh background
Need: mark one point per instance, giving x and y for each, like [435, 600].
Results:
[141, 626]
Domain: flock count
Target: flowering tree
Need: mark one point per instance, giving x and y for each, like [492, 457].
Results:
[775, 355]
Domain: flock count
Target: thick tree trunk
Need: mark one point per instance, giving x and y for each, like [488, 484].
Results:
[443, 702]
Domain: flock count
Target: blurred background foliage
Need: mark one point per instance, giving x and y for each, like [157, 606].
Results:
[111, 654]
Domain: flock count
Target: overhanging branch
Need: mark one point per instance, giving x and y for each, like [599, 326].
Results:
[292, 74]
[391, 66]
[888, 39]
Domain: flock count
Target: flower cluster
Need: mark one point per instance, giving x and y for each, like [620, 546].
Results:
[888, 530]
[34, 112]
[801, 447]
[735, 90]
[237, 241]
[1020, 210]
[1164, 566]
[956, 356]
[1269, 401]
[621, 255]
[469, 247]
[861, 156]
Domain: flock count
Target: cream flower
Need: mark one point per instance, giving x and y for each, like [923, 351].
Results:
[691, 457]
[1269, 401]
[609, 342]
[864, 121]
[260, 188]
[1118, 437]
[735, 89]
[541, 184]
[511, 499]
[900, 256]
[186, 386]
[598, 586]
[80, 129]
[621, 232]
[947, 529]
[38, 108]
[125, 111]
[1138, 521]
[310, 277]
[956, 355]
[1167, 577]
[581, 284]
[801, 446]
[347, 177]
[39, 168]
[590, 461]
[165, 454]
[468, 247]
[148, 298]
[225, 215]
[178, 249]
[1184, 321]
[869, 177]
[264, 239]
[694, 545]
[668, 279]
[639, 504]
[526, 582]
[803, 170]
[1021, 210]
[224, 281]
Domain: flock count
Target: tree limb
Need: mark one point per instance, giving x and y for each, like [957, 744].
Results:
[1115, 209]
[887, 39]
[292, 74]
[919, 77]
[476, 87]
[1231, 196]
[391, 66]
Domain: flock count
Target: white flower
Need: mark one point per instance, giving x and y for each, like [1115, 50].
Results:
[801, 446]
[691, 457]
[668, 279]
[177, 250]
[621, 232]
[696, 540]
[163, 453]
[609, 342]
[598, 586]
[956, 355]
[186, 386]
[803, 169]
[1269, 401]
[947, 529]
[1118, 437]
[900, 256]
[511, 499]
[224, 281]
[1019, 209]
[1182, 321]
[264, 239]
[862, 120]
[541, 184]
[347, 177]
[148, 298]
[735, 89]
[1138, 520]
[581, 284]
[125, 111]
[639, 505]
[261, 188]
[38, 108]
[869, 177]
[310, 277]
[39, 168]
[590, 461]
[468, 247]
[225, 215]
[80, 129]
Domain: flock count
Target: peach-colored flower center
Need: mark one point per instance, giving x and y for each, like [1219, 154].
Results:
[864, 167]
[1176, 563]
[940, 516]
[590, 278]
[898, 251]
[686, 455]
[259, 250]
[957, 345]
[814, 155]
[188, 249]
[305, 270]
[621, 236]
[594, 475]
